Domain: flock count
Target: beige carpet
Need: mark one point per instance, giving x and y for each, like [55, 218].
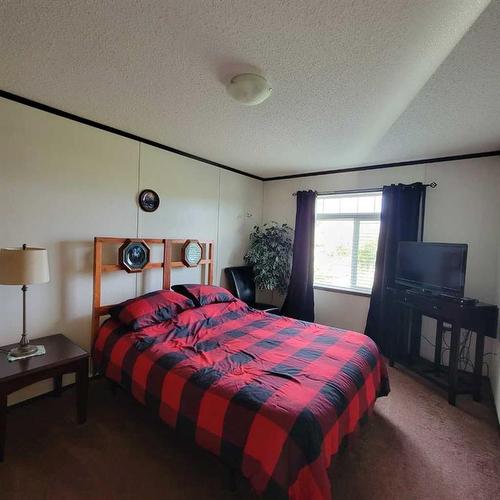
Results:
[415, 446]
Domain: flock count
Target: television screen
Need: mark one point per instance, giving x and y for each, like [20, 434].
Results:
[432, 267]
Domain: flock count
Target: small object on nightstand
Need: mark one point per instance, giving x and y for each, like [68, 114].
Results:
[24, 266]
[63, 356]
[39, 351]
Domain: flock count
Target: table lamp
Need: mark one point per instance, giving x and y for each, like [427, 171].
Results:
[23, 266]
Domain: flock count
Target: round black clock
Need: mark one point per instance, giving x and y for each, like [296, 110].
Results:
[149, 200]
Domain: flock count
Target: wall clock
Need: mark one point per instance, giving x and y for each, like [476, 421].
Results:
[191, 253]
[149, 200]
[134, 256]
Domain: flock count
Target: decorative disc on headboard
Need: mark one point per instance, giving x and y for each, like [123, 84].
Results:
[149, 200]
[191, 253]
[134, 256]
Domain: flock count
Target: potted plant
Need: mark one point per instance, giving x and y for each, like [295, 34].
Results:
[270, 255]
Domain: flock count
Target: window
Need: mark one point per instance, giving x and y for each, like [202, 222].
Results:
[347, 227]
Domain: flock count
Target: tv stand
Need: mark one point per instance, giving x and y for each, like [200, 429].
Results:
[410, 306]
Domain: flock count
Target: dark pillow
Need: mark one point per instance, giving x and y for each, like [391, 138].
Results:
[203, 295]
[150, 309]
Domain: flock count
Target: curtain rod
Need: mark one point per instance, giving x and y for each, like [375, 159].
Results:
[432, 185]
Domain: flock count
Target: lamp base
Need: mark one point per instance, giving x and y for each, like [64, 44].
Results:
[23, 350]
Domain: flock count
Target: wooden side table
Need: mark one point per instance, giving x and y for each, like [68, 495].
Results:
[62, 356]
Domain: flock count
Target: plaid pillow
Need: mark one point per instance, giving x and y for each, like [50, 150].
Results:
[151, 308]
[203, 295]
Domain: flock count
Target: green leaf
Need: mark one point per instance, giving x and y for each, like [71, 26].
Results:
[270, 254]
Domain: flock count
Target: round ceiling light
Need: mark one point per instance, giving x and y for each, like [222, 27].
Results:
[249, 89]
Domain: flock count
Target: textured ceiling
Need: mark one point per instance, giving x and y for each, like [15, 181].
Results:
[355, 81]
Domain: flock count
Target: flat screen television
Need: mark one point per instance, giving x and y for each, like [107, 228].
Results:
[432, 267]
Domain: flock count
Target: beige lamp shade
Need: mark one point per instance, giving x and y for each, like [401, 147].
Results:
[23, 266]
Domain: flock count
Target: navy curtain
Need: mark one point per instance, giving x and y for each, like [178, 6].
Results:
[299, 302]
[401, 219]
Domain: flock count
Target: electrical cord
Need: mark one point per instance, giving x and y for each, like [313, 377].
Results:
[465, 360]
[428, 341]
[464, 356]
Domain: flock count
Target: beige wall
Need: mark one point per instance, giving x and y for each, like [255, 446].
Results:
[494, 358]
[62, 183]
[463, 208]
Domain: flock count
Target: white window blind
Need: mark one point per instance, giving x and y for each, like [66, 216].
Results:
[347, 228]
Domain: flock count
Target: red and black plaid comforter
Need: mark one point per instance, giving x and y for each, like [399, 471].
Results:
[271, 396]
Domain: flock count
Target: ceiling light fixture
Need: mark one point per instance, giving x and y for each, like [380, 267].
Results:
[249, 89]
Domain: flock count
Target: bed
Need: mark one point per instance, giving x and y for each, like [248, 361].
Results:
[270, 396]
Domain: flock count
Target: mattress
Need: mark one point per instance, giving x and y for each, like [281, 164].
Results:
[271, 396]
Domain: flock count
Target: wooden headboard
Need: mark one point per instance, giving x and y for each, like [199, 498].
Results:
[167, 264]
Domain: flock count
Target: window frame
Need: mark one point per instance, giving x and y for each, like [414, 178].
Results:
[357, 218]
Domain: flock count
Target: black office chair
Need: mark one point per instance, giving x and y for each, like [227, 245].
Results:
[242, 285]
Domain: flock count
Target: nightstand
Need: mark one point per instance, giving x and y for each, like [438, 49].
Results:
[62, 356]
